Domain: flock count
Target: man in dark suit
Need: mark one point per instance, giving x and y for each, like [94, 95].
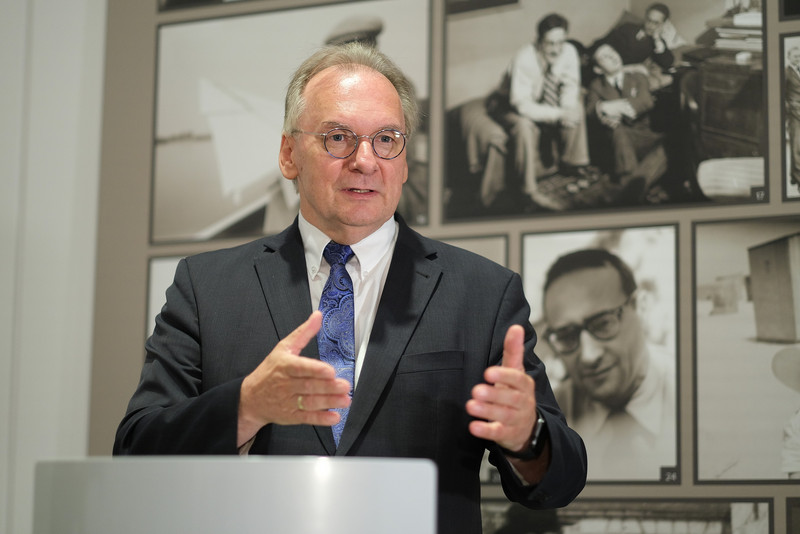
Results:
[444, 364]
[620, 102]
[637, 43]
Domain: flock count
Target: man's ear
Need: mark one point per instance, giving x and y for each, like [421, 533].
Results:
[286, 157]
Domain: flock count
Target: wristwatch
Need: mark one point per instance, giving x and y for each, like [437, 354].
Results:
[536, 446]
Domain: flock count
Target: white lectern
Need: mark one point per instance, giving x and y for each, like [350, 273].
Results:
[198, 495]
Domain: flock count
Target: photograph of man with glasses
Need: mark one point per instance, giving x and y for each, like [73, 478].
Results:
[618, 388]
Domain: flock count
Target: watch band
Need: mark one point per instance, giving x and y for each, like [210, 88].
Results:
[536, 446]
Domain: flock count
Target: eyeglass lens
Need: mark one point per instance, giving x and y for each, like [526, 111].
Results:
[387, 144]
[603, 326]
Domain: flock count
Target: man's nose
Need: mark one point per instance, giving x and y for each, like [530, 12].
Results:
[591, 349]
[366, 159]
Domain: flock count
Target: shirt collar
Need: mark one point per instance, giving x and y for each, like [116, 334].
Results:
[367, 252]
[615, 80]
[646, 406]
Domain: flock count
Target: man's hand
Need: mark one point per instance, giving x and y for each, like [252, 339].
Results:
[505, 404]
[571, 116]
[289, 389]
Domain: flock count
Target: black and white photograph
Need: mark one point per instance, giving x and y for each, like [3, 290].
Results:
[793, 514]
[219, 112]
[631, 516]
[789, 9]
[164, 5]
[790, 78]
[603, 303]
[747, 349]
[459, 6]
[551, 107]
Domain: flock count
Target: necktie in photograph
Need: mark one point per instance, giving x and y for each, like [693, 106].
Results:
[336, 338]
[551, 89]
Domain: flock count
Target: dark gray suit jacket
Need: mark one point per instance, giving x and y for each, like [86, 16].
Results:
[441, 322]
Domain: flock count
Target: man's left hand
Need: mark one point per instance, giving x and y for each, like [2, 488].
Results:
[505, 405]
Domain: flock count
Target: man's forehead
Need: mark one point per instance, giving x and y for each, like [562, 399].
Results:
[604, 49]
[589, 283]
[554, 35]
[573, 297]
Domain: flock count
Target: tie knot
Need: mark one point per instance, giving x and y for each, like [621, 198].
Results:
[336, 254]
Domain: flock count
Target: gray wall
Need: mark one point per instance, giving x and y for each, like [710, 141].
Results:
[51, 59]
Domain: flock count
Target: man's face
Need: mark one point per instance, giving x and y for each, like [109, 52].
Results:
[608, 371]
[608, 60]
[551, 44]
[794, 57]
[653, 22]
[348, 198]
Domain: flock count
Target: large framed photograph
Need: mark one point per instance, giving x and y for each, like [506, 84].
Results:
[603, 303]
[551, 107]
[219, 112]
[752, 516]
[747, 349]
[790, 94]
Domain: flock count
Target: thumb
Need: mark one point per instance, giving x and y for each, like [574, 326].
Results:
[300, 336]
[514, 348]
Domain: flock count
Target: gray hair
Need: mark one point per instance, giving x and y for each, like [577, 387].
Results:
[348, 57]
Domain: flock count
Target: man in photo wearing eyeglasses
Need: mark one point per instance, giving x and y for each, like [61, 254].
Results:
[619, 391]
[430, 346]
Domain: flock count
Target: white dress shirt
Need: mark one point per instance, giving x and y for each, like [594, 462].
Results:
[368, 269]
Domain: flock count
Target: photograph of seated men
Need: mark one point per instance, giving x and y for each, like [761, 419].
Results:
[692, 131]
[540, 105]
[619, 104]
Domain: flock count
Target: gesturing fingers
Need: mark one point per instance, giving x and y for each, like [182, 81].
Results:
[505, 405]
[270, 393]
[300, 336]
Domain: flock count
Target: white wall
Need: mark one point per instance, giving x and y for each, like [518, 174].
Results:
[51, 57]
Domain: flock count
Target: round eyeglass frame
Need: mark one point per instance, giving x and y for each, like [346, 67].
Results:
[550, 334]
[357, 137]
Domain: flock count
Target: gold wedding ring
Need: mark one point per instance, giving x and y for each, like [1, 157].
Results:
[300, 403]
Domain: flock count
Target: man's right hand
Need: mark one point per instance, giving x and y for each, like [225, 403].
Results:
[290, 389]
[571, 116]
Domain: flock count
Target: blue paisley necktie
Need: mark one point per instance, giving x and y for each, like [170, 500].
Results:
[336, 338]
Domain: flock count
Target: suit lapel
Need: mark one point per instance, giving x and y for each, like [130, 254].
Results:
[281, 271]
[410, 283]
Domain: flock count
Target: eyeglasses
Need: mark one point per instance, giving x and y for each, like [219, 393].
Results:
[341, 142]
[602, 326]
